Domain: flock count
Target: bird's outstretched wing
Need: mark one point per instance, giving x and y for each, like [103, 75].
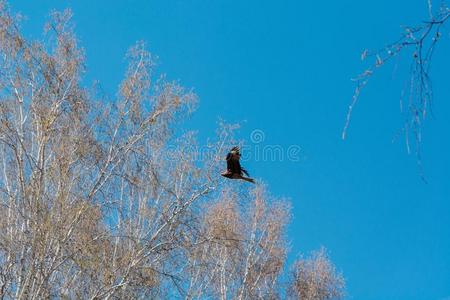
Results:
[229, 162]
[233, 164]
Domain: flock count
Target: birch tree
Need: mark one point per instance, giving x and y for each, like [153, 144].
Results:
[102, 199]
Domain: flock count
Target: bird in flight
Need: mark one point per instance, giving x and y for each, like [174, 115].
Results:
[234, 169]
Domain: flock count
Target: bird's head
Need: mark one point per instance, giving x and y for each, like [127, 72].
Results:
[235, 150]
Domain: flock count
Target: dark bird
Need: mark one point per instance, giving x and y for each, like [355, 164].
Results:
[234, 169]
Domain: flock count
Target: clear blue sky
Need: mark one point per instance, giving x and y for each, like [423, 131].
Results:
[285, 67]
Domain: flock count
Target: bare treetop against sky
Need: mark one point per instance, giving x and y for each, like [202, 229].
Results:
[284, 68]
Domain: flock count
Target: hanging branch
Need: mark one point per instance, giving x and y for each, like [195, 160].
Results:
[422, 41]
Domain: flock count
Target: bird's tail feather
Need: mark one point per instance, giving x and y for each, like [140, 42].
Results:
[245, 171]
[248, 179]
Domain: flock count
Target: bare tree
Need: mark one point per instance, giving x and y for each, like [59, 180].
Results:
[315, 279]
[99, 199]
[242, 248]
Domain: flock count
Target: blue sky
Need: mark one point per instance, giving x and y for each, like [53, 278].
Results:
[284, 67]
